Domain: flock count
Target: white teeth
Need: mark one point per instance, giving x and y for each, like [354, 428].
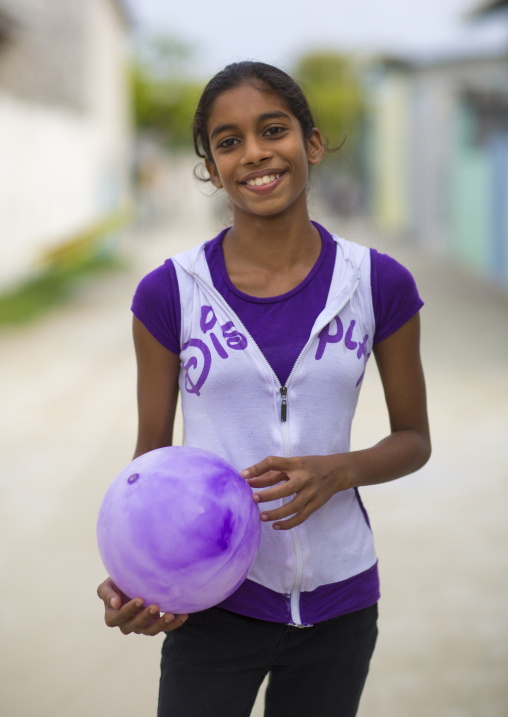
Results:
[259, 181]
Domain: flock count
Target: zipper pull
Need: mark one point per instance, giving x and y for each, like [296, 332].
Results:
[283, 405]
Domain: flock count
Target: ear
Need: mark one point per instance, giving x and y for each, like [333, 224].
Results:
[212, 171]
[315, 147]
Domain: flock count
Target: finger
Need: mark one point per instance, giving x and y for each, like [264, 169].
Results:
[284, 511]
[301, 506]
[292, 522]
[172, 622]
[297, 518]
[268, 479]
[111, 595]
[116, 617]
[301, 514]
[160, 623]
[108, 592]
[141, 620]
[276, 463]
[281, 490]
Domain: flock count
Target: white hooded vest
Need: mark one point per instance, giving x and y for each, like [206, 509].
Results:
[233, 405]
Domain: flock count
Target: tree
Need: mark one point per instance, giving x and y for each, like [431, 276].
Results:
[164, 94]
[333, 86]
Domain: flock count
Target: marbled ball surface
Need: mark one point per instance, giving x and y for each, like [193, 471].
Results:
[178, 527]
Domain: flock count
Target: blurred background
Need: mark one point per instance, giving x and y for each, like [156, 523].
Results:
[97, 189]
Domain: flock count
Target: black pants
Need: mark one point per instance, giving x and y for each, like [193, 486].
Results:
[214, 664]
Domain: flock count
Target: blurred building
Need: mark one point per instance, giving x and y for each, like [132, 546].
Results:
[65, 138]
[439, 154]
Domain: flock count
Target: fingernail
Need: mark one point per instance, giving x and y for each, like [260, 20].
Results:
[276, 527]
[169, 618]
[245, 474]
[264, 516]
[153, 611]
[257, 498]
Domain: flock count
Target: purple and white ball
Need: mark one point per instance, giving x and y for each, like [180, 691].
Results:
[178, 527]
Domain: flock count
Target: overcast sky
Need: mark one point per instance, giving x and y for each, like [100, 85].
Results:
[278, 32]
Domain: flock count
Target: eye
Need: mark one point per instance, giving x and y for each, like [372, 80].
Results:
[227, 143]
[275, 130]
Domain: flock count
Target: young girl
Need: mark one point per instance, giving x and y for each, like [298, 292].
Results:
[266, 331]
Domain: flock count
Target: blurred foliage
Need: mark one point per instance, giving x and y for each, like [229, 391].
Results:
[34, 297]
[88, 242]
[164, 93]
[86, 253]
[332, 83]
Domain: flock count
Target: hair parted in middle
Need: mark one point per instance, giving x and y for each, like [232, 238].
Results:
[266, 78]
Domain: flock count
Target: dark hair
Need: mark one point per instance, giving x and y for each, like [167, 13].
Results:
[267, 78]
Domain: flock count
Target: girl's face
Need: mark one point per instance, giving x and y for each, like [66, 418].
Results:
[259, 154]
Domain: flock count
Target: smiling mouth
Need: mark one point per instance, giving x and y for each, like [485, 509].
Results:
[260, 181]
[264, 182]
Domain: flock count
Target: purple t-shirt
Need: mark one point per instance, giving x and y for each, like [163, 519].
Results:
[280, 325]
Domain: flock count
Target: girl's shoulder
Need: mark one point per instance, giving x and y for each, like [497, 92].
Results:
[156, 303]
[395, 295]
[197, 258]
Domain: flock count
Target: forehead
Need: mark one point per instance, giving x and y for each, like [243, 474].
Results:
[245, 103]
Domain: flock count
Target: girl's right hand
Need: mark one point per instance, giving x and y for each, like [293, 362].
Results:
[130, 615]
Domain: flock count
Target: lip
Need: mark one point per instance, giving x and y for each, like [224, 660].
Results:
[263, 188]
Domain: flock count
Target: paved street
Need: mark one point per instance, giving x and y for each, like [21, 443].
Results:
[67, 426]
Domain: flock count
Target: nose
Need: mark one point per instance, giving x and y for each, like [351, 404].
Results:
[255, 150]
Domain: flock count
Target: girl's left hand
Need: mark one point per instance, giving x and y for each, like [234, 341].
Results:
[312, 480]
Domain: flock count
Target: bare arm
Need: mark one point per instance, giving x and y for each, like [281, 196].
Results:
[408, 447]
[157, 390]
[314, 479]
[158, 371]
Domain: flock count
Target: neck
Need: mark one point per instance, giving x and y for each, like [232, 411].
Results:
[269, 256]
[278, 241]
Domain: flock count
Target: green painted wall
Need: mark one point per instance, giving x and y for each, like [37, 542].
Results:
[470, 205]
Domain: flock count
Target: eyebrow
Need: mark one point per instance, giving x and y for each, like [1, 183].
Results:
[262, 118]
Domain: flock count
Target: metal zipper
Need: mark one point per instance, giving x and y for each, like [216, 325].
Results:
[283, 403]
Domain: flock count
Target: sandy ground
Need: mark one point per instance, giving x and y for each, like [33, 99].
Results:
[67, 426]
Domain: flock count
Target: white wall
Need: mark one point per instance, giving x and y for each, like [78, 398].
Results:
[62, 169]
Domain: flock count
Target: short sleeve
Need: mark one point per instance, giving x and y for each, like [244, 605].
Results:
[156, 304]
[395, 295]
